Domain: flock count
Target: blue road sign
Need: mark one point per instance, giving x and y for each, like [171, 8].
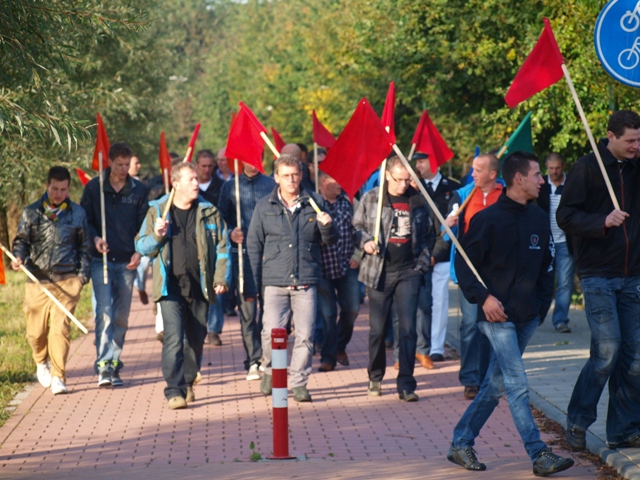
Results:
[617, 40]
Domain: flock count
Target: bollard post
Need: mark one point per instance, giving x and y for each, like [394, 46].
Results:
[279, 395]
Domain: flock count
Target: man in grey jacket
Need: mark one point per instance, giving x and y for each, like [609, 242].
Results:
[284, 254]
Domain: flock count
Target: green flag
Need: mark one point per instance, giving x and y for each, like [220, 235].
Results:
[520, 140]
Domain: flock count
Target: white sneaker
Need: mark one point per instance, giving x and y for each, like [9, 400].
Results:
[58, 386]
[253, 373]
[44, 375]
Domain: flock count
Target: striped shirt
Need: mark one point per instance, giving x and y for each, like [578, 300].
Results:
[554, 201]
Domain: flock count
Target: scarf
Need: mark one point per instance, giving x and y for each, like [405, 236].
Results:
[54, 212]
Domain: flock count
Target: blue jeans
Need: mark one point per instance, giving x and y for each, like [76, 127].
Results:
[215, 317]
[423, 316]
[112, 305]
[506, 373]
[141, 273]
[337, 331]
[613, 312]
[564, 286]
[474, 346]
[249, 326]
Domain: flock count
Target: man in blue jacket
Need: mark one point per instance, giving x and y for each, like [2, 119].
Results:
[190, 269]
[284, 254]
[517, 270]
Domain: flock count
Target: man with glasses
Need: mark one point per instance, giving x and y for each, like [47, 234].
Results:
[392, 269]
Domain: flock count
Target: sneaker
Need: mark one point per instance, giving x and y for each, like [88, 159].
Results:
[191, 396]
[576, 438]
[177, 403]
[633, 442]
[375, 389]
[104, 378]
[466, 458]
[563, 328]
[301, 394]
[214, 339]
[471, 392]
[58, 386]
[408, 396]
[44, 374]
[116, 381]
[265, 385]
[343, 359]
[548, 463]
[253, 373]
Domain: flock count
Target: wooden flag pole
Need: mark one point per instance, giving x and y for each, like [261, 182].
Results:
[44, 289]
[412, 151]
[270, 144]
[315, 165]
[105, 271]
[165, 175]
[239, 224]
[592, 140]
[376, 233]
[435, 210]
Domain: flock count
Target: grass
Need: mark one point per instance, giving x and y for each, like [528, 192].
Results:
[16, 364]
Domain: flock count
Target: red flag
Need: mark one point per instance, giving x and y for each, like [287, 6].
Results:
[428, 140]
[84, 178]
[321, 135]
[192, 145]
[245, 142]
[165, 159]
[388, 111]
[278, 139]
[359, 150]
[541, 69]
[3, 278]
[102, 145]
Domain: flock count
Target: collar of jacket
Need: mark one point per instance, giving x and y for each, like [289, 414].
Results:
[608, 158]
[249, 179]
[303, 196]
[509, 204]
[415, 198]
[129, 184]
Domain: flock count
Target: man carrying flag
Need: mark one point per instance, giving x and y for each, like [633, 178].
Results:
[126, 206]
[53, 242]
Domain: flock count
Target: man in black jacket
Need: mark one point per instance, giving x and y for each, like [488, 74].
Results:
[607, 257]
[53, 243]
[125, 208]
[517, 269]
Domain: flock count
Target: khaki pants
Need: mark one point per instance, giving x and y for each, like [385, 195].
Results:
[47, 326]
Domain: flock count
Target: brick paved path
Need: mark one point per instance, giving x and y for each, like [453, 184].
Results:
[130, 432]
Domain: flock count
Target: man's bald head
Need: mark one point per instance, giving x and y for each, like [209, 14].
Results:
[221, 152]
[292, 149]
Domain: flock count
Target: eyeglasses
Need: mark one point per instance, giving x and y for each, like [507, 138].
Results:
[406, 181]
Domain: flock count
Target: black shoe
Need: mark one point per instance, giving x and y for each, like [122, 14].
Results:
[471, 392]
[144, 298]
[576, 438]
[563, 328]
[408, 396]
[466, 458]
[548, 463]
[301, 394]
[116, 381]
[437, 357]
[326, 367]
[633, 442]
[266, 385]
[388, 344]
[343, 359]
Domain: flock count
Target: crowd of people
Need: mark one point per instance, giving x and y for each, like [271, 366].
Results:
[293, 256]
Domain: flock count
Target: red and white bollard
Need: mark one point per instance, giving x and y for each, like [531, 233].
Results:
[279, 395]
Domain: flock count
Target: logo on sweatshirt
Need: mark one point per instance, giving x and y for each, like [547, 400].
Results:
[535, 240]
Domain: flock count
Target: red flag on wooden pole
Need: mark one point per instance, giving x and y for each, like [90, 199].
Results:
[3, 278]
[84, 178]
[359, 150]
[277, 139]
[165, 161]
[102, 145]
[321, 135]
[192, 145]
[541, 69]
[245, 142]
[428, 140]
[388, 120]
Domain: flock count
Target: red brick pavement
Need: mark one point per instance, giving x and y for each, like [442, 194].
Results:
[129, 432]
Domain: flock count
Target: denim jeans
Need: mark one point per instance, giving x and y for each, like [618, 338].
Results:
[423, 316]
[506, 374]
[564, 285]
[215, 317]
[141, 273]
[248, 323]
[613, 312]
[185, 329]
[474, 346]
[279, 304]
[337, 331]
[440, 307]
[401, 287]
[112, 305]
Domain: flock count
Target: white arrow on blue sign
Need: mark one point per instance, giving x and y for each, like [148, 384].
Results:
[617, 40]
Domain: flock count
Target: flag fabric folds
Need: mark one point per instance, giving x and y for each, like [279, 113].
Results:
[164, 158]
[244, 141]
[541, 69]
[192, 145]
[102, 145]
[521, 140]
[321, 135]
[84, 178]
[428, 140]
[388, 112]
[277, 139]
[359, 150]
